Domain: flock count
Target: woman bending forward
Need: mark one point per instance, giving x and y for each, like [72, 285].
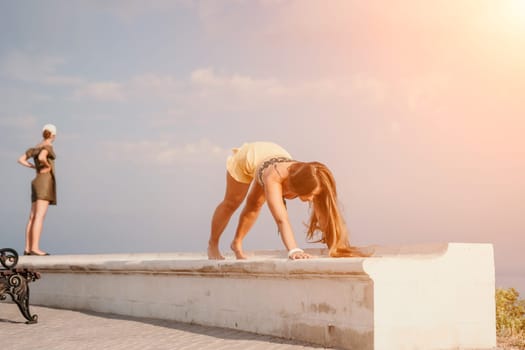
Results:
[276, 177]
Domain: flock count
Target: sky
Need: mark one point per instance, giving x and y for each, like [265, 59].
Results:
[418, 108]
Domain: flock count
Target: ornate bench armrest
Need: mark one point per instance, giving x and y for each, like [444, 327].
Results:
[15, 282]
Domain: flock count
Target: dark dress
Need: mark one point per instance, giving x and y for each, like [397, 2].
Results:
[43, 185]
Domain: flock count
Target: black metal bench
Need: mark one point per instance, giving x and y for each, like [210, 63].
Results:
[15, 282]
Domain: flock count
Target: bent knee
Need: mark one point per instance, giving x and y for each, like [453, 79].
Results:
[232, 203]
[255, 205]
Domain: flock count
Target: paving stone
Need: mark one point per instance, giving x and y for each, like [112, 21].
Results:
[77, 330]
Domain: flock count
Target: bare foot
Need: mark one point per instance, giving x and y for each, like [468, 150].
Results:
[214, 253]
[238, 252]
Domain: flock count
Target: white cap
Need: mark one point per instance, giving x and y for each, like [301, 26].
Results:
[51, 128]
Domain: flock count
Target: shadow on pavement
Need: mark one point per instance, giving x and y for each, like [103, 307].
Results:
[217, 332]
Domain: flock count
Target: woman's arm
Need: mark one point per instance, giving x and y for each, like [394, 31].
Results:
[23, 160]
[42, 158]
[273, 193]
[274, 196]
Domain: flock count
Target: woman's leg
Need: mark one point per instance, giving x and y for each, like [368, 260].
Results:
[248, 216]
[233, 197]
[38, 222]
[29, 228]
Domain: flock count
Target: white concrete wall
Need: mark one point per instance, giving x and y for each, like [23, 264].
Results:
[447, 300]
[425, 297]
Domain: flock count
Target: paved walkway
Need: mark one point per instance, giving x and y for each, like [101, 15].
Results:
[73, 330]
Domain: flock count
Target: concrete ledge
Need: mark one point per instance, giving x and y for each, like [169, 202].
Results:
[416, 297]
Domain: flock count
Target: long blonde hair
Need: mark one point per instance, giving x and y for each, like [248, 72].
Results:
[326, 216]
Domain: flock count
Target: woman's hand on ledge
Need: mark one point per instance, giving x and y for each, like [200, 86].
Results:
[298, 253]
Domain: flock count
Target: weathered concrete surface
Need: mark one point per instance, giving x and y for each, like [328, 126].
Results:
[418, 297]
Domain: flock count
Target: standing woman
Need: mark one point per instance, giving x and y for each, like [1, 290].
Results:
[43, 187]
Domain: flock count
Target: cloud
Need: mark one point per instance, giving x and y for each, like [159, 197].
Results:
[281, 20]
[132, 10]
[163, 153]
[424, 90]
[17, 131]
[206, 78]
[190, 152]
[21, 122]
[43, 69]
[158, 85]
[101, 91]
[169, 100]
[223, 90]
[361, 86]
[33, 67]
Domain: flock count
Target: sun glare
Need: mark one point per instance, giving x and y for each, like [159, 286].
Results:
[514, 14]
